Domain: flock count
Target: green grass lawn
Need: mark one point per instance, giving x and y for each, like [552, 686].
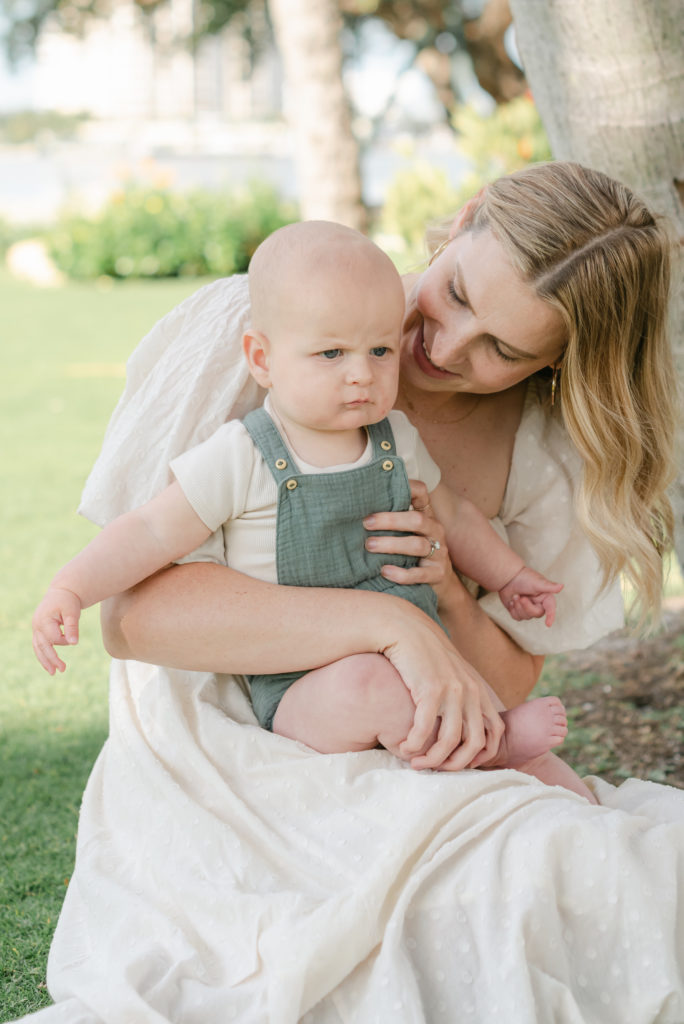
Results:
[63, 369]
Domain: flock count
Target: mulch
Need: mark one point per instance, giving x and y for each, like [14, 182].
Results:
[625, 699]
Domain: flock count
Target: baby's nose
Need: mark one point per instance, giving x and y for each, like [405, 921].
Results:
[359, 371]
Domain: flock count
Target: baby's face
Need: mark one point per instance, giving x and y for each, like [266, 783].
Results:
[334, 359]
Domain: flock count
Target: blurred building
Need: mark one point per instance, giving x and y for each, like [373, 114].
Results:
[141, 65]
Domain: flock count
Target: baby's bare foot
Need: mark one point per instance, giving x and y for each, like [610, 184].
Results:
[532, 729]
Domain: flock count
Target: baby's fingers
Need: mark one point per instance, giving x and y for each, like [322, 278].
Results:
[47, 655]
[549, 606]
[70, 629]
[522, 608]
[48, 633]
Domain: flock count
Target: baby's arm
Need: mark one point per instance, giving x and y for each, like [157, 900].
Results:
[128, 550]
[477, 551]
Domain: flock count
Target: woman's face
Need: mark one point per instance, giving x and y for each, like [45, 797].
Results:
[474, 325]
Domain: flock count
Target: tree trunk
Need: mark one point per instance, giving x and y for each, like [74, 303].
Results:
[608, 79]
[326, 153]
[495, 70]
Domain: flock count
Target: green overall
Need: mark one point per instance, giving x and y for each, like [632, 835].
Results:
[320, 538]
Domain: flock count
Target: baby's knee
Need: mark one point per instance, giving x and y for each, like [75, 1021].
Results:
[372, 679]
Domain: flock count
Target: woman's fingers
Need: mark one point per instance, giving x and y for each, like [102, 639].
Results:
[416, 545]
[460, 717]
[407, 522]
[420, 536]
[425, 721]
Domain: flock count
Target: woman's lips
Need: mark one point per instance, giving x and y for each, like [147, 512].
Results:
[423, 360]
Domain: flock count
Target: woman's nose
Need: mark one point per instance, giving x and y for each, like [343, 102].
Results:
[449, 347]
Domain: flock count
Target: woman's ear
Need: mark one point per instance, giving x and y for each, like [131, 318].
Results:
[256, 348]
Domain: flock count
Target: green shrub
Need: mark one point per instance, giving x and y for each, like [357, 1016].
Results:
[511, 137]
[35, 125]
[416, 195]
[154, 232]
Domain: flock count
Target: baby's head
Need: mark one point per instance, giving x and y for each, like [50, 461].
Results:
[324, 296]
[315, 270]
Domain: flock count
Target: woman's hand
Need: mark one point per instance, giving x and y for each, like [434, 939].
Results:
[423, 538]
[452, 701]
[456, 720]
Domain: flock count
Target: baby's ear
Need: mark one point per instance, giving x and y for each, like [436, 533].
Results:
[255, 346]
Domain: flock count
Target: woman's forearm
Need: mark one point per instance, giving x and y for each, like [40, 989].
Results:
[510, 671]
[207, 617]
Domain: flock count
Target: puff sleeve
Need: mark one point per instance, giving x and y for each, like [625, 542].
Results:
[186, 378]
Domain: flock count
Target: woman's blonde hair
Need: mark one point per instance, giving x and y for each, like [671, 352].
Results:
[593, 250]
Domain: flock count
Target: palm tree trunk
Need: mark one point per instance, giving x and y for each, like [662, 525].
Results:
[326, 155]
[608, 79]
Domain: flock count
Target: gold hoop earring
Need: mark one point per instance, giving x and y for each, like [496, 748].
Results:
[439, 250]
[554, 384]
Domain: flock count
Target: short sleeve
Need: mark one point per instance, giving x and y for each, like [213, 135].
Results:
[215, 475]
[419, 463]
[185, 378]
[538, 520]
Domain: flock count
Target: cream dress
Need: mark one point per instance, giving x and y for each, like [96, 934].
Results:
[227, 874]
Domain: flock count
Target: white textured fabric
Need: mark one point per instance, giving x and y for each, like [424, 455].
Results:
[184, 380]
[232, 490]
[187, 377]
[227, 874]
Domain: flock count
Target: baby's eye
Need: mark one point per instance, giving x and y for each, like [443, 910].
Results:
[380, 350]
[331, 353]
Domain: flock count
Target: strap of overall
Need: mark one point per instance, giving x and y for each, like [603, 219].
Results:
[277, 456]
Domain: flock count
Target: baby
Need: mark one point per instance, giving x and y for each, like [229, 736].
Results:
[291, 485]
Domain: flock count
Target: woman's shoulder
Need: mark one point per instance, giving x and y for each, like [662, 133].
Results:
[541, 436]
[186, 377]
[544, 462]
[209, 322]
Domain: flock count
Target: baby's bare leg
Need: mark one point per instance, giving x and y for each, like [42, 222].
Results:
[554, 772]
[361, 702]
[356, 703]
[532, 729]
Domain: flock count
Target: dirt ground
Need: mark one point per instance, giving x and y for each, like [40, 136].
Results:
[625, 700]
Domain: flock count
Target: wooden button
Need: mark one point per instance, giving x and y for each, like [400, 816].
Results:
[281, 464]
[291, 484]
[388, 464]
[386, 446]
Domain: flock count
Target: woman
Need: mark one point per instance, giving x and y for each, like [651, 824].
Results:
[224, 873]
[491, 321]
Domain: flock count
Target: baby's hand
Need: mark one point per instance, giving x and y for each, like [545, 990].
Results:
[55, 624]
[529, 595]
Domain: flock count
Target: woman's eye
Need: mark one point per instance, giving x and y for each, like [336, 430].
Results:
[380, 350]
[453, 294]
[331, 353]
[501, 354]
